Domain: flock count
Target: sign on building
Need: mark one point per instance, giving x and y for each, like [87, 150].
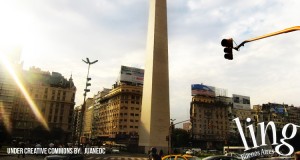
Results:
[131, 74]
[241, 102]
[203, 90]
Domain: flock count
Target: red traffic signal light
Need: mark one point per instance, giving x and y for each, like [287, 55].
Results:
[228, 44]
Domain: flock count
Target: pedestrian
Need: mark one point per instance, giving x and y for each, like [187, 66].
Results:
[153, 154]
[22, 145]
[39, 148]
[51, 145]
[161, 153]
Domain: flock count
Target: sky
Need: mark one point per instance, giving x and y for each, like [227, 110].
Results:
[55, 35]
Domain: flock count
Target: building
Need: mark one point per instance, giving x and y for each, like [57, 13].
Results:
[187, 126]
[88, 118]
[52, 96]
[273, 112]
[118, 114]
[240, 109]
[242, 114]
[76, 123]
[96, 114]
[8, 90]
[293, 114]
[241, 102]
[209, 114]
[117, 111]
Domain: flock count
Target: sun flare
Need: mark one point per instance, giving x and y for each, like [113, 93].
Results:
[34, 108]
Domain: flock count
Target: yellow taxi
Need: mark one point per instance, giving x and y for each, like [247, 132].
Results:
[179, 157]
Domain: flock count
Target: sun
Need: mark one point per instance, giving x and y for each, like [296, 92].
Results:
[18, 30]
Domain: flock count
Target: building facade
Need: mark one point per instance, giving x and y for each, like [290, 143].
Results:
[187, 126]
[117, 114]
[54, 97]
[293, 114]
[8, 91]
[209, 117]
[88, 118]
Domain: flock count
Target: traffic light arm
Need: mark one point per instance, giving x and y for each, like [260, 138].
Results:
[287, 30]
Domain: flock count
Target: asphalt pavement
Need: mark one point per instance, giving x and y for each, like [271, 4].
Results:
[86, 157]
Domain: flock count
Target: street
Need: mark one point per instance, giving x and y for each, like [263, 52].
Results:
[86, 157]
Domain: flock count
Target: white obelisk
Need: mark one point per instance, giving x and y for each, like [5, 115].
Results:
[155, 114]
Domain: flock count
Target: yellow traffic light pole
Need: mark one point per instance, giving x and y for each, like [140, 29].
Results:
[287, 30]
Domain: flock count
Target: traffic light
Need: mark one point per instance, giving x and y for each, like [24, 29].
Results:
[228, 44]
[87, 81]
[86, 85]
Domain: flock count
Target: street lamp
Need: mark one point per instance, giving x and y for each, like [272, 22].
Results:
[84, 95]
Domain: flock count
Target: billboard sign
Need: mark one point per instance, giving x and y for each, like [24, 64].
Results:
[277, 108]
[131, 74]
[241, 102]
[203, 90]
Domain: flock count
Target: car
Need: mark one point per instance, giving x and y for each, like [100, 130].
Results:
[232, 154]
[179, 157]
[191, 152]
[65, 157]
[115, 150]
[220, 157]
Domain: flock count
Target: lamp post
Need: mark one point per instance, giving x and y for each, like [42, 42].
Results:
[84, 95]
[170, 136]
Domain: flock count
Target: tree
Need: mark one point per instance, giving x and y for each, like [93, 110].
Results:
[180, 138]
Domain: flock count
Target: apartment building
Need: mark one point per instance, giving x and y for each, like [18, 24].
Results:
[53, 96]
[117, 114]
[209, 114]
[117, 111]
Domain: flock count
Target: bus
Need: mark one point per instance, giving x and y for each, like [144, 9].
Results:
[233, 149]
